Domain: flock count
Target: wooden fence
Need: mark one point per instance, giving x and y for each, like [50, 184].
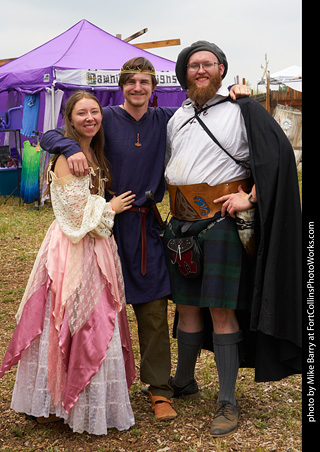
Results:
[289, 98]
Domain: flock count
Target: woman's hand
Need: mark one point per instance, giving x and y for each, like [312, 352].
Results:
[122, 202]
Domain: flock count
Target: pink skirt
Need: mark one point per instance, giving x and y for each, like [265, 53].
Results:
[72, 338]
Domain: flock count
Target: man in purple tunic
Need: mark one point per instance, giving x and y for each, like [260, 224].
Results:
[135, 145]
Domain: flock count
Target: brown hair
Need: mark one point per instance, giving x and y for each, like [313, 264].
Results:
[97, 142]
[138, 65]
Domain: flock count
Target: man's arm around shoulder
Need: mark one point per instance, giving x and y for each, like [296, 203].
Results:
[55, 142]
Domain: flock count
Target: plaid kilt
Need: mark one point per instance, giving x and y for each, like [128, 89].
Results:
[219, 283]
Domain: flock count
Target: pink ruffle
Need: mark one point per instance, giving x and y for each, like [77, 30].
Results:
[74, 358]
[29, 327]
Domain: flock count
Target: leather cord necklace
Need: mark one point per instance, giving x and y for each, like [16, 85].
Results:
[137, 143]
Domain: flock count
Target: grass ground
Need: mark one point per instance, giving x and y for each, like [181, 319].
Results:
[270, 412]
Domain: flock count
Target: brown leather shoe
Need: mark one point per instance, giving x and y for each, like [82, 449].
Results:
[225, 420]
[162, 408]
[48, 420]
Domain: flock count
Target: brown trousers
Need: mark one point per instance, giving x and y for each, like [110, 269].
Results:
[153, 331]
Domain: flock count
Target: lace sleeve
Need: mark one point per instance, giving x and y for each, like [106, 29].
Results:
[77, 211]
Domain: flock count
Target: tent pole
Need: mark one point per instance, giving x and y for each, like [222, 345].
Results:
[53, 125]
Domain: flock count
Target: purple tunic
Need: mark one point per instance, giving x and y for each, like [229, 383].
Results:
[138, 168]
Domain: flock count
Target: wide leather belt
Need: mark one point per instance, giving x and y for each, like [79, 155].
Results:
[195, 202]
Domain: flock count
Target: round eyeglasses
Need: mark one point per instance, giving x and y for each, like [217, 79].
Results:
[207, 66]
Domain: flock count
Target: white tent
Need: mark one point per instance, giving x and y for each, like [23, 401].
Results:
[290, 76]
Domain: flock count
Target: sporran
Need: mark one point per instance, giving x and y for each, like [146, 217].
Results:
[187, 255]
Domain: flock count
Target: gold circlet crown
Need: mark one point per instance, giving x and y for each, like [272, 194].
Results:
[136, 70]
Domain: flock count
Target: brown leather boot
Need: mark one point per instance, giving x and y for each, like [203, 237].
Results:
[226, 420]
[162, 408]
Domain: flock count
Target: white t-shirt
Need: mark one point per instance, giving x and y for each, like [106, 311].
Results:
[192, 155]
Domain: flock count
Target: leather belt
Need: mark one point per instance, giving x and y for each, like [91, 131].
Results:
[143, 211]
[195, 201]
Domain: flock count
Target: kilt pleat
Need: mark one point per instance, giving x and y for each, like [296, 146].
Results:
[218, 284]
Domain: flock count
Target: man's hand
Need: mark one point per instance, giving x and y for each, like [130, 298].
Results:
[239, 91]
[78, 164]
[234, 202]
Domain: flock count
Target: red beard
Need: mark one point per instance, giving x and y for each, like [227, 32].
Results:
[202, 95]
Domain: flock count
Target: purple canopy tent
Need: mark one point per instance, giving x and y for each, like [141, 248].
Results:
[83, 57]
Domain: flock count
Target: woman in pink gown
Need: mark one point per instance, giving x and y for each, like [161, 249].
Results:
[72, 339]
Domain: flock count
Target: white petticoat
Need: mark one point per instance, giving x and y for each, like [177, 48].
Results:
[104, 403]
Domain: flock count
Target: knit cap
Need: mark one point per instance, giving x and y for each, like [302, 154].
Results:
[185, 54]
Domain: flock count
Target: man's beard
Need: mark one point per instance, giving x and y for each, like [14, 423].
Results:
[202, 95]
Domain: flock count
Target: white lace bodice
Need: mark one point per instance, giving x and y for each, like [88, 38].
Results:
[77, 211]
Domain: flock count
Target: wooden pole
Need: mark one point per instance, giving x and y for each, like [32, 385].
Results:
[136, 35]
[268, 92]
[6, 60]
[165, 43]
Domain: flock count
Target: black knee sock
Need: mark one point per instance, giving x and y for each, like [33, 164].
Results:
[189, 345]
[227, 360]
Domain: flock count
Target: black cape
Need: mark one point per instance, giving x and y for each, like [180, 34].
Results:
[272, 327]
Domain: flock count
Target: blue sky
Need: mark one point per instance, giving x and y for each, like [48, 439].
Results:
[246, 30]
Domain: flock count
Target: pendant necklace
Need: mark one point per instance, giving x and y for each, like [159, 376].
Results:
[137, 143]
